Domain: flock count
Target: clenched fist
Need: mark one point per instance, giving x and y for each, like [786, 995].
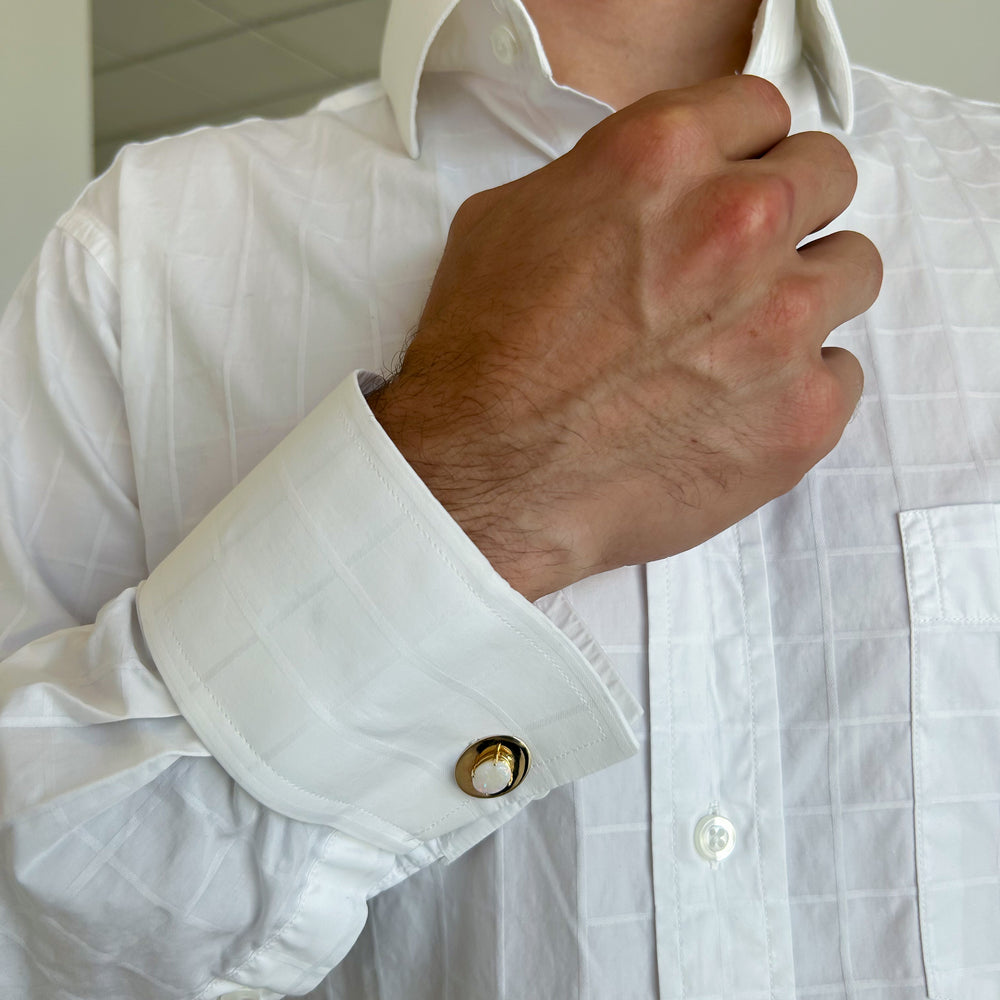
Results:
[621, 354]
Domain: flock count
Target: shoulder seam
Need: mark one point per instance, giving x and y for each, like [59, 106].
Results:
[95, 239]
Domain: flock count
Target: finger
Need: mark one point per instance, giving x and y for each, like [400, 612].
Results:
[822, 175]
[848, 269]
[742, 116]
[847, 370]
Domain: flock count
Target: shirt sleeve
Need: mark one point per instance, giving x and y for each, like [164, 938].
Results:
[207, 769]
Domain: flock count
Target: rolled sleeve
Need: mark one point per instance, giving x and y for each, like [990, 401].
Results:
[337, 641]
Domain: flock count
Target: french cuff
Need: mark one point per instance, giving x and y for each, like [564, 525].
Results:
[337, 642]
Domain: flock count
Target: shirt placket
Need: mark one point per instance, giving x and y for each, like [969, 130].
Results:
[720, 884]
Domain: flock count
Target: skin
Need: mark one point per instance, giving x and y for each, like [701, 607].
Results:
[621, 50]
[622, 353]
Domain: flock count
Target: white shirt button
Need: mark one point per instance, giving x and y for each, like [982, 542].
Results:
[714, 837]
[505, 44]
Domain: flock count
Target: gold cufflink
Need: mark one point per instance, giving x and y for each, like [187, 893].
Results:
[492, 766]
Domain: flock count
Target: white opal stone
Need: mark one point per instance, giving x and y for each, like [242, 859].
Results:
[492, 776]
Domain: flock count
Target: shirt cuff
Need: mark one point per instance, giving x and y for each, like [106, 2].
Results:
[337, 641]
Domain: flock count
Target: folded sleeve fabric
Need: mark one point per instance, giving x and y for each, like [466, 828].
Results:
[207, 769]
[358, 641]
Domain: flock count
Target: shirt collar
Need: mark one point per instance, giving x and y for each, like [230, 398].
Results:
[784, 32]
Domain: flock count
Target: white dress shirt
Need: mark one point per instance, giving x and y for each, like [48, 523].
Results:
[245, 646]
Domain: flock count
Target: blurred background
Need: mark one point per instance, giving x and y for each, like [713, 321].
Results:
[80, 79]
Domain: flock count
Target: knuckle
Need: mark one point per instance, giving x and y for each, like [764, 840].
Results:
[839, 159]
[836, 169]
[794, 305]
[837, 155]
[823, 399]
[846, 163]
[871, 263]
[656, 140]
[813, 409]
[861, 269]
[676, 132]
[766, 93]
[751, 212]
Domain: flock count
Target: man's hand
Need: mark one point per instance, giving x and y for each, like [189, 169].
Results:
[621, 354]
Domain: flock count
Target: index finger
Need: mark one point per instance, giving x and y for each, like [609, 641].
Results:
[744, 116]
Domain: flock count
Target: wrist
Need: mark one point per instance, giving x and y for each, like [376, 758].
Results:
[484, 483]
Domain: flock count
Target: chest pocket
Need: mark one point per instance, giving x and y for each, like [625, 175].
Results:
[953, 583]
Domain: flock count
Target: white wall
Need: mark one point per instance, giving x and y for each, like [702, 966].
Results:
[45, 123]
[954, 44]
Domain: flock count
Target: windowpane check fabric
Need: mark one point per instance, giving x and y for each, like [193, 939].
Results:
[243, 646]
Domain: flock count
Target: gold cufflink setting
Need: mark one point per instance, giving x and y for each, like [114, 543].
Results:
[492, 767]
